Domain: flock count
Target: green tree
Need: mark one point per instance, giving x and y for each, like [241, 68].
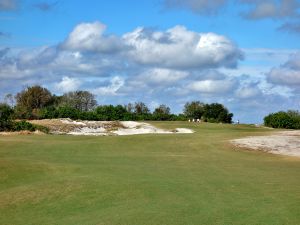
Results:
[80, 100]
[110, 112]
[129, 108]
[217, 113]
[6, 113]
[140, 108]
[161, 113]
[194, 109]
[31, 100]
[287, 120]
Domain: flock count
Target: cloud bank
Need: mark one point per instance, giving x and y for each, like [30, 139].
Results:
[169, 66]
[287, 74]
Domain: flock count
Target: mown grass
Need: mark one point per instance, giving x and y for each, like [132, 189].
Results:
[146, 179]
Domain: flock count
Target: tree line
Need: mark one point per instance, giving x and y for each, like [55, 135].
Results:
[37, 102]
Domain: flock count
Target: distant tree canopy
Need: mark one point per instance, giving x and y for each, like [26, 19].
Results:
[37, 102]
[80, 100]
[5, 117]
[287, 120]
[162, 112]
[215, 112]
[194, 109]
[140, 108]
[30, 100]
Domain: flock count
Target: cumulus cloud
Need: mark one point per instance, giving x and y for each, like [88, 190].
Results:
[197, 6]
[90, 37]
[288, 74]
[248, 91]
[115, 84]
[153, 63]
[67, 84]
[208, 75]
[162, 76]
[3, 52]
[284, 76]
[213, 86]
[174, 48]
[293, 62]
[181, 48]
[8, 5]
[272, 9]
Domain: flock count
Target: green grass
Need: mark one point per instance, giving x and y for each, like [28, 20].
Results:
[146, 179]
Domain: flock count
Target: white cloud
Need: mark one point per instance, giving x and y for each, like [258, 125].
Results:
[67, 84]
[248, 92]
[181, 48]
[162, 76]
[293, 62]
[115, 84]
[213, 86]
[288, 74]
[90, 37]
[284, 76]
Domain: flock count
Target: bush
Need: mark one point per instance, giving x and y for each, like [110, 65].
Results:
[287, 120]
[216, 113]
[6, 113]
[23, 125]
[68, 112]
[42, 129]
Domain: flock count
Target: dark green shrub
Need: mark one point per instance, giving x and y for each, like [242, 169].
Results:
[6, 113]
[216, 113]
[68, 112]
[287, 120]
[42, 129]
[23, 125]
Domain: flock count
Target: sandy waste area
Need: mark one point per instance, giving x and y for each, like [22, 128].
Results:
[283, 143]
[104, 128]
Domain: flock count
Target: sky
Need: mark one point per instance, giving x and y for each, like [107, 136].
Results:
[241, 53]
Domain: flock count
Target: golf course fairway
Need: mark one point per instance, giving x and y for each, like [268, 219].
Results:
[155, 179]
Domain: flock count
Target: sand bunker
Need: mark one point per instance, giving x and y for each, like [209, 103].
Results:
[283, 143]
[104, 128]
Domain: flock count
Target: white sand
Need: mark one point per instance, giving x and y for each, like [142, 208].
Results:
[283, 143]
[68, 121]
[184, 131]
[100, 131]
[103, 128]
[133, 128]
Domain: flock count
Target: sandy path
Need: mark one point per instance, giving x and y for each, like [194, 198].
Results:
[283, 143]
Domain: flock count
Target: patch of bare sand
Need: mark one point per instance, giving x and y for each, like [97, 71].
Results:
[68, 126]
[283, 143]
[103, 128]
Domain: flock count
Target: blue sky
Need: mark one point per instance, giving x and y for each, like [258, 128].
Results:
[242, 53]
